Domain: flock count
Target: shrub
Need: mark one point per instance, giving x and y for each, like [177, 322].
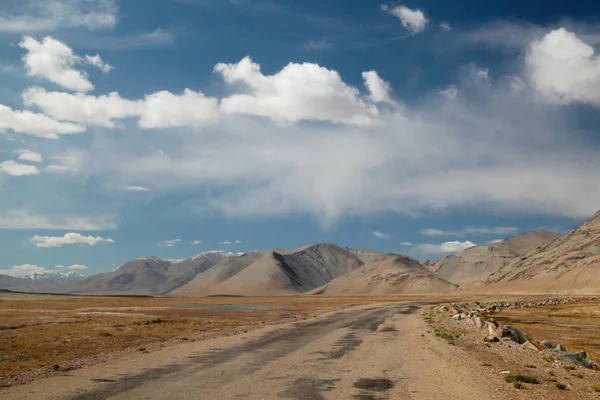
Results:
[104, 334]
[521, 378]
[520, 385]
[548, 359]
[596, 388]
[570, 367]
[561, 386]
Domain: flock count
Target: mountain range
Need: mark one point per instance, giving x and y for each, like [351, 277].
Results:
[538, 261]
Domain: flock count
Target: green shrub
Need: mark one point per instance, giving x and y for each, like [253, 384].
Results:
[561, 386]
[548, 359]
[521, 378]
[596, 388]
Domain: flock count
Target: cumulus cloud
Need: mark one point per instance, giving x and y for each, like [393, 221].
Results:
[13, 168]
[196, 242]
[23, 270]
[445, 27]
[445, 248]
[167, 110]
[71, 267]
[381, 235]
[437, 232]
[378, 88]
[413, 20]
[68, 238]
[135, 188]
[170, 243]
[24, 219]
[48, 15]
[28, 155]
[39, 125]
[53, 60]
[299, 92]
[564, 69]
[450, 92]
[97, 61]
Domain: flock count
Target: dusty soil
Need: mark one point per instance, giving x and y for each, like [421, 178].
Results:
[508, 358]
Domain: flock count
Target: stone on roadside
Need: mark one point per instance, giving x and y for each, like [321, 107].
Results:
[514, 334]
[491, 331]
[576, 357]
[491, 339]
[478, 322]
[548, 344]
[559, 348]
[534, 346]
[457, 317]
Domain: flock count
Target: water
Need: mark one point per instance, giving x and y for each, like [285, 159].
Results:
[228, 306]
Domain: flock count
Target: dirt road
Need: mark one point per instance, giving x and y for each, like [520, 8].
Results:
[370, 352]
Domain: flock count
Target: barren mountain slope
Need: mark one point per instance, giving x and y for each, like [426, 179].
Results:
[149, 275]
[470, 267]
[385, 275]
[206, 281]
[366, 255]
[292, 273]
[571, 263]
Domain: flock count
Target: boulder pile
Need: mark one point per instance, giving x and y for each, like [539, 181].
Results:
[478, 315]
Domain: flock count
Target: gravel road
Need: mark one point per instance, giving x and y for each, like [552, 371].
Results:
[374, 352]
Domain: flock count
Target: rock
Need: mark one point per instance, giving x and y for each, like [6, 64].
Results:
[493, 323]
[453, 310]
[514, 334]
[491, 331]
[559, 348]
[479, 322]
[548, 344]
[491, 339]
[577, 358]
[457, 317]
[534, 346]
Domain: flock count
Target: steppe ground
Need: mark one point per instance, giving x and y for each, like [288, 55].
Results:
[45, 335]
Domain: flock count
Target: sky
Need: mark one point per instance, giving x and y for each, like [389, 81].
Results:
[420, 127]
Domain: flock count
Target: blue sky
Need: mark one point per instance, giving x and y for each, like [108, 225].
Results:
[418, 127]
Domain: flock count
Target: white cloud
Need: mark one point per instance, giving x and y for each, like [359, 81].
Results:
[450, 92]
[381, 235]
[135, 188]
[484, 74]
[437, 232]
[23, 219]
[29, 123]
[48, 15]
[408, 244]
[378, 88]
[28, 155]
[167, 110]
[69, 162]
[238, 241]
[97, 61]
[170, 243]
[445, 248]
[196, 242]
[53, 60]
[299, 92]
[13, 168]
[445, 27]
[564, 69]
[497, 230]
[227, 242]
[81, 108]
[68, 238]
[71, 267]
[494, 241]
[413, 20]
[316, 45]
[23, 270]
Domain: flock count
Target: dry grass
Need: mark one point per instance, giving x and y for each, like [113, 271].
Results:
[52, 331]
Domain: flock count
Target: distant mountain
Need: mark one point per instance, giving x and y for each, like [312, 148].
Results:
[150, 274]
[48, 281]
[474, 265]
[387, 274]
[570, 263]
[276, 272]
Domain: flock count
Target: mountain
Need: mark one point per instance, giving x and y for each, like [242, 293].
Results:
[570, 263]
[45, 282]
[278, 272]
[472, 266]
[387, 274]
[205, 281]
[150, 274]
